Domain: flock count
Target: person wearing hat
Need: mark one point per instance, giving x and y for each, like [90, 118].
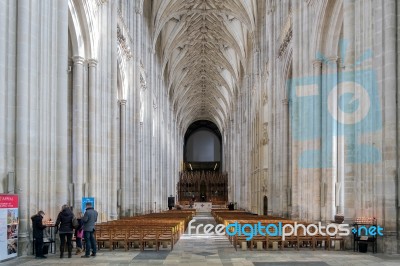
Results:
[38, 227]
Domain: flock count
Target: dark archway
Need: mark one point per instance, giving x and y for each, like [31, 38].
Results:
[202, 147]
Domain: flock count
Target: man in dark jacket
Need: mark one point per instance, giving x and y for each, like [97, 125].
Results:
[38, 228]
[89, 220]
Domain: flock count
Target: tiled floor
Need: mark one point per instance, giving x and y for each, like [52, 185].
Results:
[213, 250]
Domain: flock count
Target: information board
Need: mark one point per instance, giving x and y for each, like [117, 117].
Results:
[8, 226]
[86, 200]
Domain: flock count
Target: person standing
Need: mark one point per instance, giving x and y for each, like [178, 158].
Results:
[66, 229]
[79, 234]
[89, 219]
[38, 227]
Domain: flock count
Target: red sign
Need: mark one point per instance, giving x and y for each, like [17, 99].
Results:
[8, 201]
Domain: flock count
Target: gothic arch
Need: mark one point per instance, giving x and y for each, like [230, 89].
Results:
[82, 25]
[329, 25]
[75, 30]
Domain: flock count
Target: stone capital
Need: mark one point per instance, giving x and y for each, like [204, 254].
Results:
[78, 60]
[331, 63]
[332, 59]
[92, 62]
[122, 102]
[317, 62]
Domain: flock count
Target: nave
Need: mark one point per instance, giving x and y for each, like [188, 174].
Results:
[295, 103]
[192, 249]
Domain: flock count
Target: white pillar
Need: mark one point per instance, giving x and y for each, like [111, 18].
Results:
[317, 66]
[62, 104]
[22, 122]
[122, 104]
[350, 198]
[114, 110]
[90, 189]
[389, 127]
[77, 132]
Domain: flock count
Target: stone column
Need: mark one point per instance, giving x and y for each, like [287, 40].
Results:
[271, 167]
[329, 139]
[284, 193]
[77, 132]
[62, 104]
[351, 200]
[341, 154]
[114, 111]
[388, 183]
[122, 104]
[92, 65]
[333, 74]
[22, 122]
[5, 15]
[316, 146]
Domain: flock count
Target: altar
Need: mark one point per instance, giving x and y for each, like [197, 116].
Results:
[202, 206]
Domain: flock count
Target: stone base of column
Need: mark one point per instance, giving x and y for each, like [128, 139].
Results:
[388, 243]
[24, 246]
[113, 216]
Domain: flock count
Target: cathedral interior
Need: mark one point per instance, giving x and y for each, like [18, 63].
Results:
[283, 108]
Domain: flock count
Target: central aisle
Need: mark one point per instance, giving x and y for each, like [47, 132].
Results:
[200, 249]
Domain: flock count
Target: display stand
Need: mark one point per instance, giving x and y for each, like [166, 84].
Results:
[49, 238]
[9, 222]
[360, 239]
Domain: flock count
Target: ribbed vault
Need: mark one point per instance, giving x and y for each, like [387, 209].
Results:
[203, 45]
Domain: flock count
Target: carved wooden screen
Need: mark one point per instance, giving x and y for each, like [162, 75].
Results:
[203, 185]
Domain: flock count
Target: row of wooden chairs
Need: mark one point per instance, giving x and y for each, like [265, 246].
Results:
[144, 231]
[131, 236]
[294, 241]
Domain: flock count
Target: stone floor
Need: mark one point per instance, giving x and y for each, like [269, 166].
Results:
[214, 250]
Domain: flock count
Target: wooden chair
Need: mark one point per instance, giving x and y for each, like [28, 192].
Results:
[103, 236]
[118, 235]
[149, 235]
[166, 235]
[134, 235]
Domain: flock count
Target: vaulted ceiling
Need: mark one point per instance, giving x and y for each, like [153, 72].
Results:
[204, 45]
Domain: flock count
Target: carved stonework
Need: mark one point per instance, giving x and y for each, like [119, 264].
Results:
[265, 139]
[122, 41]
[285, 43]
[270, 6]
[286, 35]
[264, 98]
[264, 181]
[154, 102]
[143, 84]
[101, 2]
[143, 87]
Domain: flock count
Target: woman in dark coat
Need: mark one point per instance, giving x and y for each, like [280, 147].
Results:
[64, 221]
